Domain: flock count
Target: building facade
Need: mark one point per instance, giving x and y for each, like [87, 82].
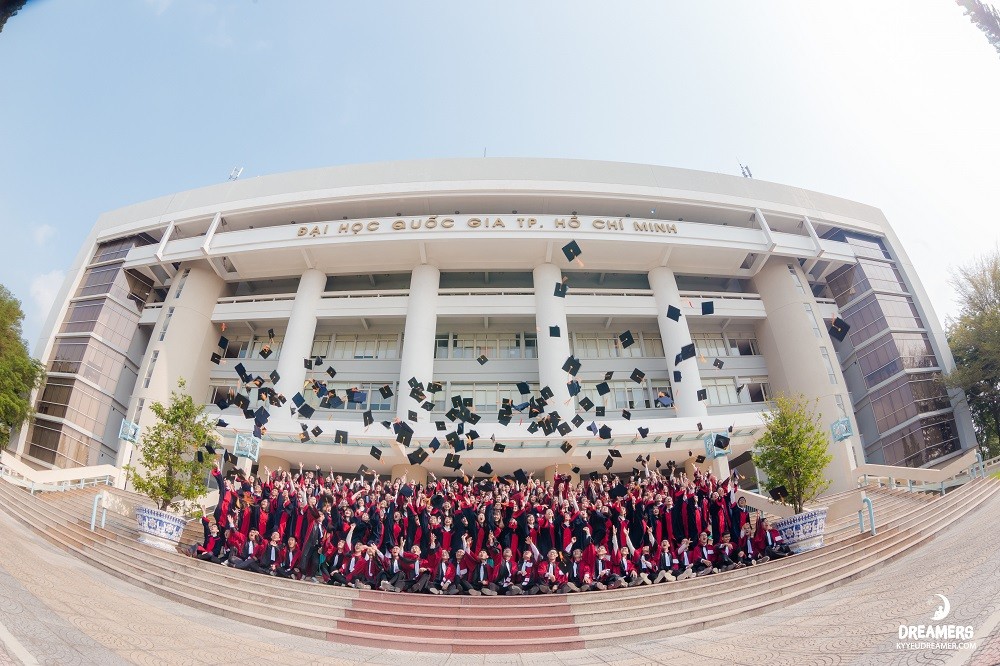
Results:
[446, 271]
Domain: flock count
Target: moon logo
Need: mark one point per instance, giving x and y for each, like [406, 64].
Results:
[942, 611]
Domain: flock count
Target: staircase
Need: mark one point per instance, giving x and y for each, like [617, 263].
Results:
[482, 625]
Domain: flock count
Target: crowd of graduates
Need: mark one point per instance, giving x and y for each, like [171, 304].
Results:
[514, 535]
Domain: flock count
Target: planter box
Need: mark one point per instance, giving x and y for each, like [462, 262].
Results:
[803, 531]
[159, 528]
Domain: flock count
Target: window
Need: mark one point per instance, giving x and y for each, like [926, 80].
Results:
[493, 345]
[830, 372]
[487, 397]
[237, 348]
[921, 442]
[98, 281]
[906, 397]
[149, 369]
[374, 400]
[380, 346]
[76, 402]
[720, 391]
[742, 344]
[652, 345]
[796, 279]
[441, 343]
[90, 358]
[181, 281]
[138, 410]
[607, 345]
[878, 312]
[754, 389]
[893, 354]
[710, 345]
[116, 249]
[623, 395]
[812, 319]
[222, 391]
[530, 345]
[854, 280]
[320, 346]
[166, 323]
[258, 342]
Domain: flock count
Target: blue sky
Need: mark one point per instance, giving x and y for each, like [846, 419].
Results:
[107, 103]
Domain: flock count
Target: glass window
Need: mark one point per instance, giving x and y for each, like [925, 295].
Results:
[181, 281]
[652, 345]
[259, 342]
[320, 346]
[624, 395]
[811, 316]
[796, 280]
[742, 344]
[893, 354]
[237, 348]
[878, 312]
[754, 389]
[831, 373]
[530, 345]
[150, 368]
[709, 344]
[441, 343]
[116, 249]
[721, 391]
[166, 323]
[921, 442]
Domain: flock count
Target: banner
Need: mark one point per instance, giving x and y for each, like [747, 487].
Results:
[129, 431]
[247, 446]
[841, 429]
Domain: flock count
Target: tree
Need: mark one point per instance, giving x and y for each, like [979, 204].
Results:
[170, 472]
[793, 451]
[19, 373]
[974, 338]
[985, 17]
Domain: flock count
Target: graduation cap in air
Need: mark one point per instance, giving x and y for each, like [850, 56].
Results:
[216, 358]
[317, 361]
[614, 453]
[577, 421]
[503, 418]
[368, 418]
[498, 447]
[533, 428]
[572, 365]
[241, 372]
[434, 387]
[576, 470]
[248, 413]
[571, 250]
[306, 411]
[674, 313]
[618, 491]
[261, 416]
[566, 447]
[637, 376]
[359, 397]
[838, 329]
[330, 371]
[603, 388]
[265, 351]
[452, 414]
[427, 406]
[274, 376]
[241, 401]
[700, 428]
[434, 445]
[560, 290]
[678, 358]
[454, 439]
[730, 428]
[721, 442]
[677, 376]
[308, 363]
[486, 469]
[718, 363]
[590, 455]
[364, 469]
[417, 457]
[700, 459]
[375, 453]
[707, 307]
[440, 425]
[407, 491]
[411, 415]
[220, 424]
[340, 437]
[222, 404]
[316, 431]
[520, 476]
[664, 401]
[605, 432]
[482, 359]
[586, 403]
[270, 334]
[627, 415]
[667, 443]
[223, 342]
[702, 394]
[688, 351]
[523, 388]
[546, 392]
[564, 428]
[229, 457]
[454, 461]
[554, 331]
[600, 411]
[643, 432]
[385, 391]
[778, 494]
[609, 463]
[547, 427]
[626, 339]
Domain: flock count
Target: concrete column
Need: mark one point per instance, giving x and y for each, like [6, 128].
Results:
[794, 354]
[244, 464]
[296, 345]
[720, 468]
[412, 472]
[418, 338]
[676, 334]
[272, 463]
[550, 310]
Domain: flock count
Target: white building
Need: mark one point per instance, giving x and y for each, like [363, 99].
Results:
[416, 269]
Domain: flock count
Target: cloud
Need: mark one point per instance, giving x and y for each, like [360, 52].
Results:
[43, 233]
[159, 6]
[44, 289]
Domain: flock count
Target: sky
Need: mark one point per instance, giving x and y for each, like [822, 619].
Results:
[103, 104]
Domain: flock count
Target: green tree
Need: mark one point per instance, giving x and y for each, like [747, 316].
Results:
[169, 471]
[793, 452]
[974, 338]
[19, 373]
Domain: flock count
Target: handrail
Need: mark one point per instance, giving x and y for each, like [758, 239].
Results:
[923, 474]
[20, 474]
[721, 295]
[871, 515]
[98, 498]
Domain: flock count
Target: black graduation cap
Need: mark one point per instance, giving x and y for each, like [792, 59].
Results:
[560, 289]
[306, 411]
[265, 351]
[317, 361]
[586, 403]
[304, 426]
[434, 387]
[577, 421]
[699, 426]
[317, 431]
[261, 416]
[308, 363]
[564, 428]
[241, 371]
[368, 418]
[547, 427]
[546, 392]
[498, 447]
[434, 445]
[603, 388]
[600, 411]
[221, 424]
[270, 334]
[223, 342]
[482, 359]
[454, 438]
[411, 415]
[571, 250]
[357, 396]
[330, 371]
[222, 404]
[533, 428]
[609, 463]
[779, 493]
[700, 459]
[678, 359]
[452, 460]
[229, 457]
[565, 446]
[201, 456]
[364, 469]
[427, 406]
[375, 453]
[417, 457]
[520, 476]
[576, 470]
[730, 428]
[605, 432]
[666, 444]
[677, 375]
[407, 491]
[472, 417]
[241, 401]
[627, 415]
[572, 365]
[594, 476]
[553, 331]
[405, 438]
[340, 437]
[721, 442]
[503, 418]
[673, 313]
[703, 394]
[707, 307]
[626, 339]
[718, 363]
[590, 455]
[440, 425]
[839, 329]
[216, 358]
[637, 376]
[643, 432]
[248, 413]
[274, 376]
[523, 388]
[385, 391]
[298, 400]
[614, 453]
[687, 351]
[618, 491]
[486, 469]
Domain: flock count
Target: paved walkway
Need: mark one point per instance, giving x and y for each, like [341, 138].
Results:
[57, 610]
